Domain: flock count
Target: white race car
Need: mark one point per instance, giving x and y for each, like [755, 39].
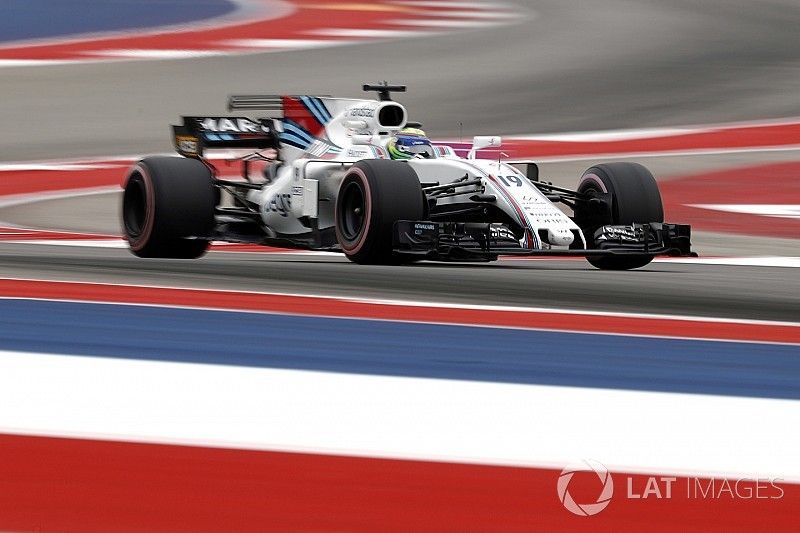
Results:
[330, 174]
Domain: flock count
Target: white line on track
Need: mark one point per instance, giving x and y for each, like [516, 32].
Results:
[364, 33]
[27, 198]
[25, 167]
[776, 261]
[691, 128]
[755, 261]
[78, 243]
[144, 53]
[456, 4]
[443, 23]
[34, 62]
[768, 210]
[408, 418]
[286, 43]
[416, 303]
[74, 163]
[490, 15]
[611, 136]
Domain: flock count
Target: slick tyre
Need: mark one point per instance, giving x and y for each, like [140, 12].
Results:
[373, 195]
[168, 208]
[635, 198]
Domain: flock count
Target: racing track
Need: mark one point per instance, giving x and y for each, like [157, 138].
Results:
[573, 68]
[724, 291]
[569, 54]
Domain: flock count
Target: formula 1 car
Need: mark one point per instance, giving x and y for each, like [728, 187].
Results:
[326, 181]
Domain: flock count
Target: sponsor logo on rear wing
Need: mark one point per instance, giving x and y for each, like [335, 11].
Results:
[198, 134]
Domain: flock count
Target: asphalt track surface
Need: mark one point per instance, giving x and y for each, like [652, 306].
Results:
[570, 66]
[720, 291]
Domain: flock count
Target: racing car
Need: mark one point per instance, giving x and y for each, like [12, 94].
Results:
[323, 176]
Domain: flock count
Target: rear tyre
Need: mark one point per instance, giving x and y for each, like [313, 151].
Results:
[373, 195]
[168, 208]
[635, 198]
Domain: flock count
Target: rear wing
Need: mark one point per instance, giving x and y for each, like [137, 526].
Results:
[264, 102]
[198, 134]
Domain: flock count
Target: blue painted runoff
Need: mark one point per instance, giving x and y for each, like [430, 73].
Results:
[401, 349]
[50, 19]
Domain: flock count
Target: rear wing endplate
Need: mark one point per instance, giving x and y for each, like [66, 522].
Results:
[198, 134]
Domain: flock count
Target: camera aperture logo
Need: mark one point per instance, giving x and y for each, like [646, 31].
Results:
[589, 508]
[643, 488]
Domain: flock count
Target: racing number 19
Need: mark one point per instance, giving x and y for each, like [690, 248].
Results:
[509, 180]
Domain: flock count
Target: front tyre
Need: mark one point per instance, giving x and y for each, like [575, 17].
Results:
[634, 198]
[373, 195]
[168, 208]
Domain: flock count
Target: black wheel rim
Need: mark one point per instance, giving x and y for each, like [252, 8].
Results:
[590, 189]
[134, 206]
[353, 211]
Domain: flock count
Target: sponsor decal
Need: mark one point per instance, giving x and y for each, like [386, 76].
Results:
[187, 144]
[358, 152]
[620, 233]
[280, 203]
[362, 112]
[233, 125]
[526, 199]
[500, 232]
[320, 149]
[425, 229]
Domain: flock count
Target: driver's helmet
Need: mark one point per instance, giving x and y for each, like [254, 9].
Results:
[409, 143]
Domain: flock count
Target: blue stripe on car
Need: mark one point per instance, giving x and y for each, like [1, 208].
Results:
[312, 109]
[297, 130]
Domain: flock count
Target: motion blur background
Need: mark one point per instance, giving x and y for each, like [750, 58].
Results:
[557, 66]
[704, 93]
[513, 68]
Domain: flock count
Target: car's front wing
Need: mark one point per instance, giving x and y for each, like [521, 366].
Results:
[457, 241]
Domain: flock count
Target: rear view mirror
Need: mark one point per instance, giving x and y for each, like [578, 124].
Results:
[530, 168]
[483, 141]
